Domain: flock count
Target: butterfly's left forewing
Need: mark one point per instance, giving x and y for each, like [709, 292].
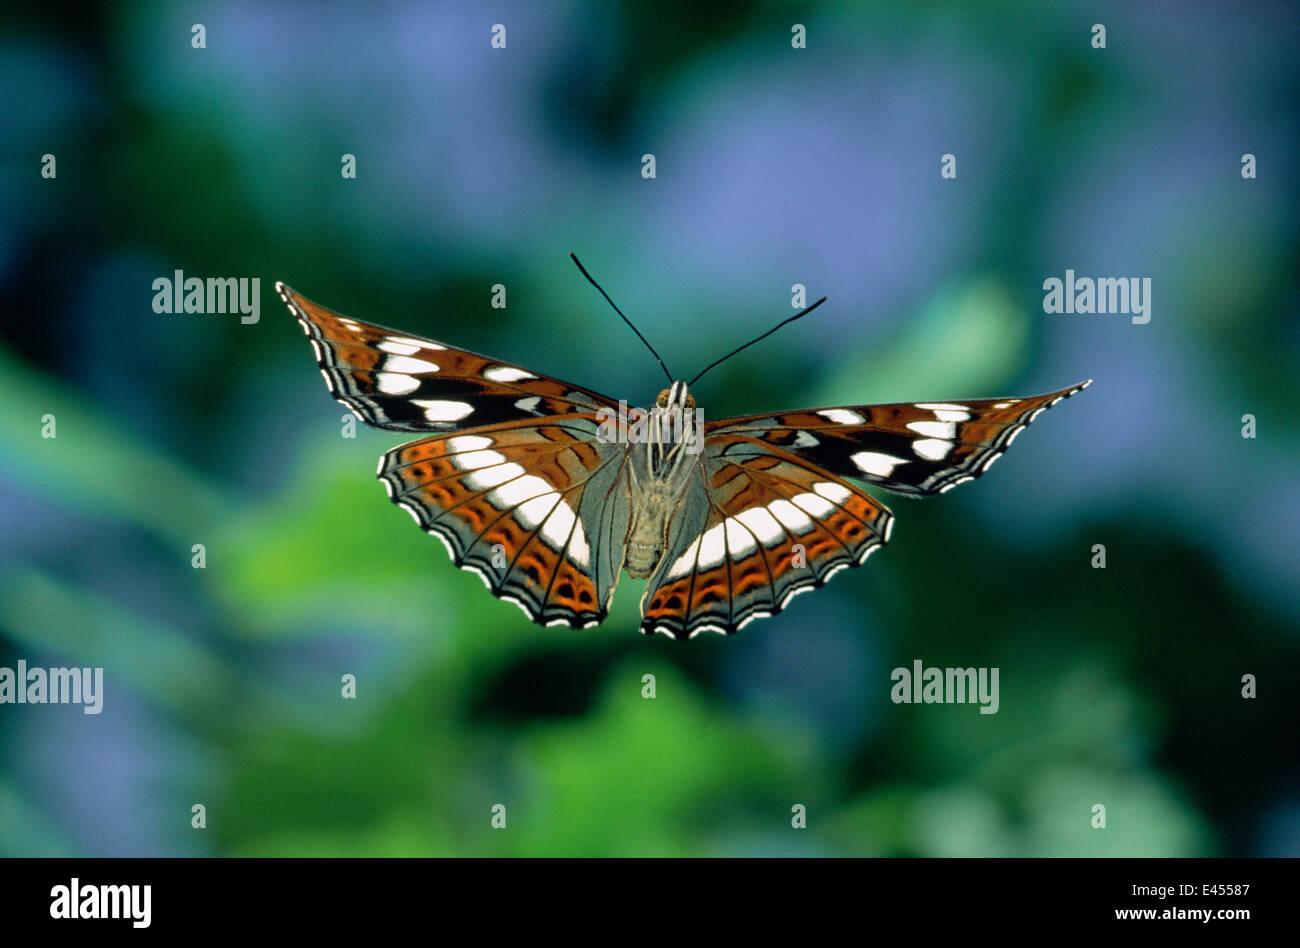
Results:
[394, 380]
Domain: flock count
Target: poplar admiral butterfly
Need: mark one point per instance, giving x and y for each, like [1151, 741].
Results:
[549, 491]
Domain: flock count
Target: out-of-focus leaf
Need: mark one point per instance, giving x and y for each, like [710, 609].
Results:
[46, 614]
[649, 776]
[95, 466]
[964, 344]
[26, 831]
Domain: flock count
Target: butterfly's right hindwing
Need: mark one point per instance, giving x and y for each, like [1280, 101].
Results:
[753, 533]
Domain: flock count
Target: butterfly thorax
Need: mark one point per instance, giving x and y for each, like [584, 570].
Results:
[660, 468]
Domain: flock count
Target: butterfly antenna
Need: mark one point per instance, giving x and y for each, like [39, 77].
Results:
[799, 315]
[625, 319]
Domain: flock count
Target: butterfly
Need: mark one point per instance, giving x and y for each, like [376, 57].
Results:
[549, 491]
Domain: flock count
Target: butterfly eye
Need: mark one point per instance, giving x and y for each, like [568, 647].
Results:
[663, 399]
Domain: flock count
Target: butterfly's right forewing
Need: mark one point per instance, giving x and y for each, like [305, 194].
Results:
[918, 448]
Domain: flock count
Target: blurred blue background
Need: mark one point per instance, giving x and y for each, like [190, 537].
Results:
[774, 166]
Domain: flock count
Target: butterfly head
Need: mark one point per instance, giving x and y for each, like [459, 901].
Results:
[675, 427]
[676, 397]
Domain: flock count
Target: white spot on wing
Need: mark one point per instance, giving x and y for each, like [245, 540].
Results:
[837, 493]
[712, 547]
[505, 373]
[842, 416]
[686, 562]
[473, 460]
[392, 383]
[932, 449]
[409, 343]
[438, 410]
[516, 492]
[791, 517]
[872, 462]
[947, 414]
[488, 477]
[397, 348]
[535, 511]
[764, 525]
[934, 429]
[405, 364]
[814, 504]
[579, 550]
[467, 443]
[740, 542]
[559, 525]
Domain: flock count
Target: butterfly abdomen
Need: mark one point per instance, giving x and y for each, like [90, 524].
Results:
[656, 494]
[646, 536]
[641, 559]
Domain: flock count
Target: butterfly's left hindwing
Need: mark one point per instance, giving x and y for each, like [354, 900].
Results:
[533, 508]
[394, 380]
